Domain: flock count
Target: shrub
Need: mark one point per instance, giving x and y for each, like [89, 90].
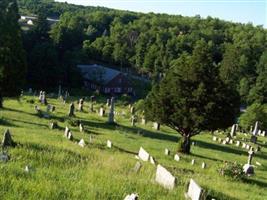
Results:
[233, 170]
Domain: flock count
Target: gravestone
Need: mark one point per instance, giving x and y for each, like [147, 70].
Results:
[255, 131]
[43, 99]
[247, 146]
[91, 108]
[133, 120]
[165, 178]
[48, 108]
[253, 139]
[176, 157]
[70, 137]
[263, 134]
[53, 125]
[82, 143]
[143, 155]
[53, 108]
[233, 131]
[227, 139]
[80, 107]
[109, 144]
[156, 126]
[152, 160]
[244, 145]
[4, 157]
[101, 111]
[7, 140]
[108, 103]
[131, 197]
[224, 142]
[194, 192]
[66, 131]
[203, 166]
[71, 110]
[111, 112]
[237, 143]
[132, 110]
[231, 141]
[137, 167]
[81, 127]
[214, 138]
[248, 168]
[40, 96]
[167, 152]
[193, 162]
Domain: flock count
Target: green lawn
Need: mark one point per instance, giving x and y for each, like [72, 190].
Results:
[63, 170]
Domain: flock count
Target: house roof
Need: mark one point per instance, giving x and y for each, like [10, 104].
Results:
[98, 73]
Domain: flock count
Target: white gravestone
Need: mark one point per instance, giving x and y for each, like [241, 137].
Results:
[194, 191]
[109, 144]
[131, 197]
[143, 155]
[177, 157]
[152, 161]
[167, 152]
[165, 178]
[82, 143]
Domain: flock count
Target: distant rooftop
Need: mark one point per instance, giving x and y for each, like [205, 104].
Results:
[98, 73]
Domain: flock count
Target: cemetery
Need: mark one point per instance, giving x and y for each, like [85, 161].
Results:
[88, 156]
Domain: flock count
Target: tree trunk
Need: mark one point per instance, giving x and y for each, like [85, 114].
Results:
[1, 101]
[185, 144]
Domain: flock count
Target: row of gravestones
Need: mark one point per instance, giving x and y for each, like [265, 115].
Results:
[248, 168]
[166, 179]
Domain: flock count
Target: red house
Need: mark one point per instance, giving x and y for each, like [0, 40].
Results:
[104, 79]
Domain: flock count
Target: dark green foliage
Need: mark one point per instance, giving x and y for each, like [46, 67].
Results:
[232, 170]
[12, 56]
[255, 112]
[192, 97]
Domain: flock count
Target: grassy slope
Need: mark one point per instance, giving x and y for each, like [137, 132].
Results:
[64, 170]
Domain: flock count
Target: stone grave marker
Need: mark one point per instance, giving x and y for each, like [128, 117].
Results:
[156, 126]
[253, 139]
[71, 110]
[165, 178]
[109, 144]
[81, 127]
[255, 131]
[233, 131]
[66, 131]
[7, 140]
[195, 192]
[111, 112]
[152, 160]
[237, 143]
[132, 110]
[193, 162]
[101, 111]
[137, 167]
[167, 152]
[176, 157]
[143, 121]
[248, 168]
[214, 138]
[82, 143]
[131, 197]
[4, 157]
[244, 145]
[80, 106]
[203, 166]
[143, 155]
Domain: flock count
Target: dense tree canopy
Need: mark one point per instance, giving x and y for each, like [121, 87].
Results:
[12, 57]
[149, 43]
[192, 97]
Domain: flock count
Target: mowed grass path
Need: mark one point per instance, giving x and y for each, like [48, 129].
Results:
[63, 170]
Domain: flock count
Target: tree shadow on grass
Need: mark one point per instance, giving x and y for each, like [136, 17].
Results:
[19, 111]
[124, 150]
[31, 123]
[205, 157]
[216, 147]
[4, 122]
[256, 182]
[145, 133]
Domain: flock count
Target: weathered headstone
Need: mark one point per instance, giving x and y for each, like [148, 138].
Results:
[133, 120]
[111, 112]
[80, 106]
[81, 127]
[152, 160]
[4, 157]
[233, 131]
[137, 166]
[237, 143]
[248, 168]
[108, 103]
[214, 138]
[70, 137]
[143, 155]
[101, 111]
[143, 121]
[109, 144]
[66, 131]
[131, 197]
[194, 192]
[176, 157]
[132, 110]
[82, 143]
[7, 140]
[71, 110]
[167, 152]
[253, 139]
[53, 125]
[203, 166]
[156, 126]
[255, 131]
[165, 178]
[193, 162]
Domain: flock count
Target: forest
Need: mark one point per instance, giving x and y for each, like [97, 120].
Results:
[147, 44]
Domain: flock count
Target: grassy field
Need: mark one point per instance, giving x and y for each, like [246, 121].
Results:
[60, 169]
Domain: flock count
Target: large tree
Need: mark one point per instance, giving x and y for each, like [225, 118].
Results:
[12, 57]
[192, 97]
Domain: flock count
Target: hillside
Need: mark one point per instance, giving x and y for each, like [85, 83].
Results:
[61, 169]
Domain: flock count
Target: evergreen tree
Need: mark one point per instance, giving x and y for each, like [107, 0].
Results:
[192, 97]
[12, 57]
